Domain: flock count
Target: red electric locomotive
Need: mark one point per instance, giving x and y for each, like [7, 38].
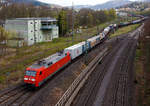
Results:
[42, 70]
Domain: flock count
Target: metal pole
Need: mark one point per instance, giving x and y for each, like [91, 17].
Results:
[72, 23]
[62, 27]
[86, 51]
[67, 23]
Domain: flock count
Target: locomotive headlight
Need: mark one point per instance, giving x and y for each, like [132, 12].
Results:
[32, 79]
[25, 78]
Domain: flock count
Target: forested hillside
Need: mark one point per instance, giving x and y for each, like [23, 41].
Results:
[84, 17]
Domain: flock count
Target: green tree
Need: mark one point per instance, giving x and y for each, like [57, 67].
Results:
[112, 14]
[62, 23]
[106, 13]
[90, 20]
[5, 35]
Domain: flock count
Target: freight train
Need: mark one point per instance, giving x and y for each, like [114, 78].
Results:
[42, 70]
[132, 22]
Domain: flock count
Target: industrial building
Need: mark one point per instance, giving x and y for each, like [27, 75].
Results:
[33, 30]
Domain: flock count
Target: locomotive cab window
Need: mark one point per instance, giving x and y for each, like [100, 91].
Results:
[31, 73]
[40, 72]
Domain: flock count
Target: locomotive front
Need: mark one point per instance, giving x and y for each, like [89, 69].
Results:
[30, 76]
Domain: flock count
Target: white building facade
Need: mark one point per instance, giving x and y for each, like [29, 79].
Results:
[33, 30]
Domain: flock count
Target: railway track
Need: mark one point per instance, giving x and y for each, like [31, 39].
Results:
[16, 96]
[8, 94]
[120, 63]
[118, 91]
[95, 80]
[99, 79]
[121, 91]
[23, 95]
[93, 93]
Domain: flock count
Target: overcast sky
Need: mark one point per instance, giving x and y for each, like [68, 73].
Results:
[75, 2]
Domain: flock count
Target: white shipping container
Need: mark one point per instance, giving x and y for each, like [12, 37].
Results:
[81, 43]
[75, 50]
[98, 41]
[97, 38]
[101, 36]
[115, 25]
[93, 41]
[107, 29]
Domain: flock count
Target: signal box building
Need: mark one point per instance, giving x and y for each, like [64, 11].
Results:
[33, 30]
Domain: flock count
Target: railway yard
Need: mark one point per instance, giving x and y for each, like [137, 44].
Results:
[52, 89]
[111, 83]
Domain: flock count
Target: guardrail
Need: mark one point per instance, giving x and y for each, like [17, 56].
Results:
[74, 88]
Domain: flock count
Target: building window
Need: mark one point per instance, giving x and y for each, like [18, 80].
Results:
[55, 22]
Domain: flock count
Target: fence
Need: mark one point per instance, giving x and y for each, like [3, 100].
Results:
[72, 91]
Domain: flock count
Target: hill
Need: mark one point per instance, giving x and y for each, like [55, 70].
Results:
[36, 3]
[107, 5]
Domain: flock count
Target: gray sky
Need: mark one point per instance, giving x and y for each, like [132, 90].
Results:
[75, 2]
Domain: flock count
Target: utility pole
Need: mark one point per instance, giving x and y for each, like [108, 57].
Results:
[62, 27]
[67, 23]
[86, 51]
[72, 23]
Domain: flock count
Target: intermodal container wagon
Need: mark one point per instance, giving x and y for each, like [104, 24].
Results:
[74, 51]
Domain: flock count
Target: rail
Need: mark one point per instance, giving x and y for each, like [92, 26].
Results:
[72, 91]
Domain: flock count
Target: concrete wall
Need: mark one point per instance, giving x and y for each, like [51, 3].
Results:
[31, 30]
[17, 26]
[55, 32]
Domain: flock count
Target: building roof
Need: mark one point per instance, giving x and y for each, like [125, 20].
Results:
[33, 18]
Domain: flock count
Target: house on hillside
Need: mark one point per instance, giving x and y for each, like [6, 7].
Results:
[33, 30]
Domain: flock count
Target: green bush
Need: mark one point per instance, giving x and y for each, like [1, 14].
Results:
[2, 79]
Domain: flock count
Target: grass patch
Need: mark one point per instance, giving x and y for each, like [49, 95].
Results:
[142, 66]
[138, 64]
[25, 56]
[138, 54]
[125, 30]
[2, 79]
[139, 67]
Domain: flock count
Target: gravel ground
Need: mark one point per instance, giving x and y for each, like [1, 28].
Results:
[112, 82]
[54, 88]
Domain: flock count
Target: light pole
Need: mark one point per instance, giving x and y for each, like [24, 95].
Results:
[72, 23]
